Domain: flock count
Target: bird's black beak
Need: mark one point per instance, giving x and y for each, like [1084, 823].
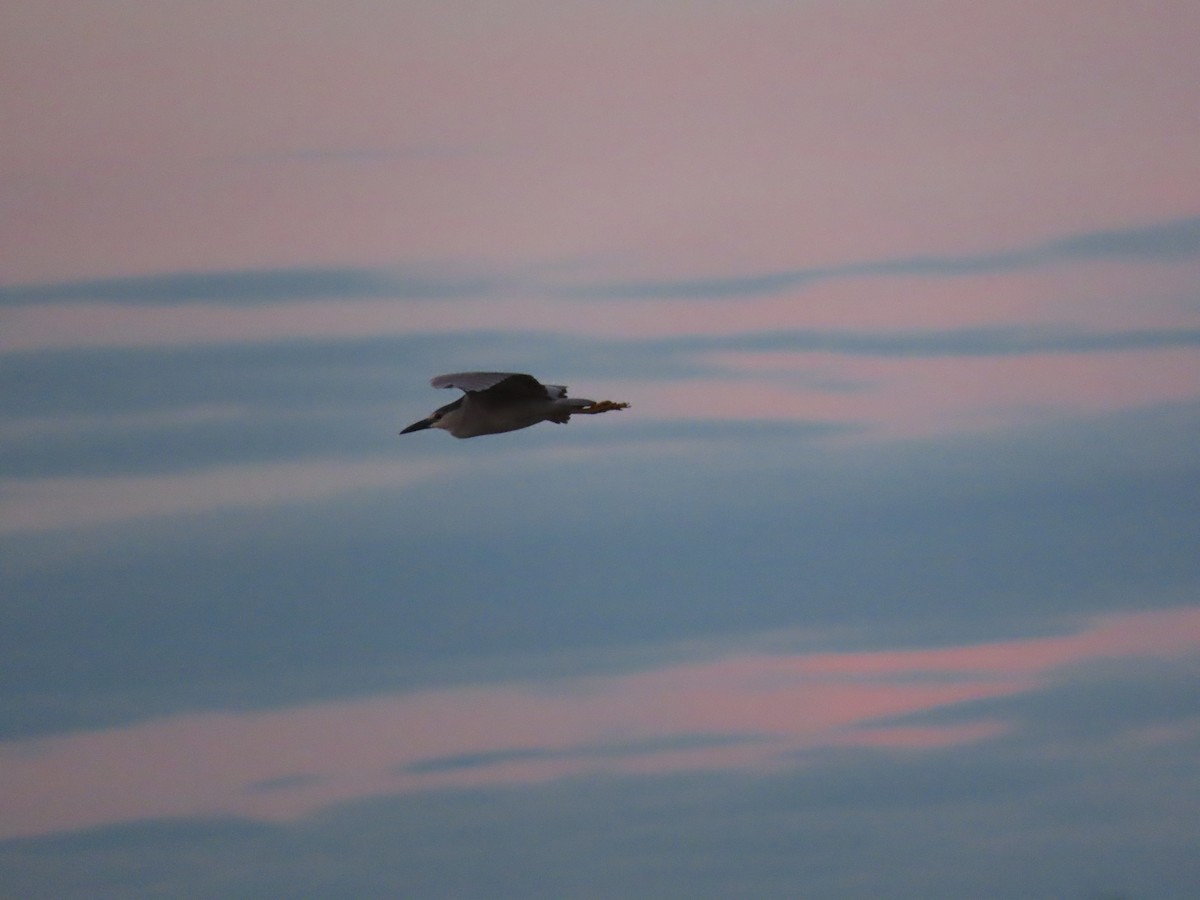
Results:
[418, 426]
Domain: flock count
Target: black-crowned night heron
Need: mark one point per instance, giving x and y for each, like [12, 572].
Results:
[494, 402]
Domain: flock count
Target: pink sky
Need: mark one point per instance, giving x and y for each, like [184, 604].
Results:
[663, 138]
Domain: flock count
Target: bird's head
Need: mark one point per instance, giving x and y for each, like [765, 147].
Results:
[436, 419]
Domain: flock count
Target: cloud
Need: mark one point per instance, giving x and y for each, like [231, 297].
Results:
[269, 376]
[1162, 242]
[283, 782]
[601, 750]
[1177, 239]
[848, 823]
[66, 502]
[351, 563]
[1096, 701]
[960, 342]
[741, 711]
[250, 287]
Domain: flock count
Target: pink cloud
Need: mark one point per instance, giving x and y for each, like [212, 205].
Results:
[212, 763]
[1097, 295]
[57, 502]
[907, 396]
[42, 504]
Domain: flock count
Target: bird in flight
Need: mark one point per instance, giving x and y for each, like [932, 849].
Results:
[495, 402]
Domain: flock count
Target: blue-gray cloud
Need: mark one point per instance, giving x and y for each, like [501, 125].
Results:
[384, 590]
[603, 750]
[1090, 703]
[1177, 239]
[93, 411]
[962, 342]
[283, 783]
[307, 373]
[147, 410]
[1164, 241]
[908, 826]
[252, 286]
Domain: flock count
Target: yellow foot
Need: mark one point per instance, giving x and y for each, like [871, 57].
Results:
[603, 406]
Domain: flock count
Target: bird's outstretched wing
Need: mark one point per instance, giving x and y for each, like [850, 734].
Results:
[509, 383]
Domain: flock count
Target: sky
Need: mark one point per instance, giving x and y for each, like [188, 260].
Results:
[886, 585]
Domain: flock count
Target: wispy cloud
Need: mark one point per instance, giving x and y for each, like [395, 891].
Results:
[33, 505]
[962, 342]
[148, 412]
[748, 711]
[593, 751]
[1177, 239]
[252, 286]
[1165, 241]
[283, 783]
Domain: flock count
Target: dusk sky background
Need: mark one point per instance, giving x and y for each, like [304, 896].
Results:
[887, 584]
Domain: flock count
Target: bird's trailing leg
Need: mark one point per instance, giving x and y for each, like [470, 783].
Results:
[600, 407]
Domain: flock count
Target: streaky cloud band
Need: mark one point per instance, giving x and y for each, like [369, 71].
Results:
[1165, 241]
[251, 287]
